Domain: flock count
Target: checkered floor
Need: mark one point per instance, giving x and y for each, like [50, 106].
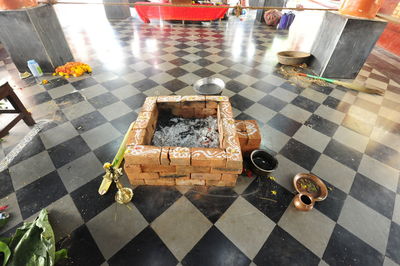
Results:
[351, 140]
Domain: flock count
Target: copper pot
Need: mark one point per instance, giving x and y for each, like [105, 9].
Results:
[16, 4]
[303, 202]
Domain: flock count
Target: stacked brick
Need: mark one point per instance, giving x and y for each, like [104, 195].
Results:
[249, 135]
[150, 165]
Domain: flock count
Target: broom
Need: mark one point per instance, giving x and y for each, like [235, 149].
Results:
[348, 85]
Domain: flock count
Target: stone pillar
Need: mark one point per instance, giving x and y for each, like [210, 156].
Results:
[117, 11]
[34, 33]
[343, 44]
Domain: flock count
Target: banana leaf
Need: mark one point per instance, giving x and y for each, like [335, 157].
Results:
[34, 244]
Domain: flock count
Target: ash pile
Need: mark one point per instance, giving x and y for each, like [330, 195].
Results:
[186, 132]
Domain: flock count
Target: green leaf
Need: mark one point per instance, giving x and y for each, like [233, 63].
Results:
[60, 254]
[6, 251]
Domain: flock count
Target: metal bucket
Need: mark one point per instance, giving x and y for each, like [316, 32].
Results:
[209, 86]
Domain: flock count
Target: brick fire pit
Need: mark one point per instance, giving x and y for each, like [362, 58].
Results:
[151, 165]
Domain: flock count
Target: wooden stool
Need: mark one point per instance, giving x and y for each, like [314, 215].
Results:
[6, 92]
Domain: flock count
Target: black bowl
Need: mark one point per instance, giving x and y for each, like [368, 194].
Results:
[262, 163]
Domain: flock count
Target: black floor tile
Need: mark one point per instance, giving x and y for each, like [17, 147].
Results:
[82, 249]
[107, 152]
[292, 87]
[68, 151]
[6, 185]
[336, 104]
[300, 153]
[103, 100]
[114, 84]
[323, 89]
[259, 194]
[135, 101]
[177, 72]
[179, 62]
[230, 73]
[322, 125]
[284, 124]
[175, 85]
[226, 62]
[357, 126]
[33, 147]
[145, 249]
[149, 205]
[54, 83]
[272, 103]
[145, 84]
[214, 249]
[212, 201]
[305, 103]
[235, 86]
[204, 72]
[84, 83]
[383, 154]
[37, 99]
[346, 249]
[69, 99]
[263, 86]
[333, 204]
[88, 201]
[39, 194]
[392, 249]
[343, 154]
[122, 123]
[255, 73]
[88, 121]
[373, 195]
[241, 103]
[203, 62]
[282, 249]
[150, 71]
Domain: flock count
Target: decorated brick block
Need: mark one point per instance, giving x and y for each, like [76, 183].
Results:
[208, 157]
[205, 176]
[149, 168]
[179, 156]
[234, 158]
[253, 133]
[194, 101]
[249, 135]
[217, 98]
[228, 127]
[160, 182]
[190, 182]
[169, 99]
[137, 154]
[225, 109]
[138, 136]
[149, 104]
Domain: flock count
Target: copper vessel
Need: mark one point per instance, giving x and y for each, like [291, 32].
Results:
[310, 189]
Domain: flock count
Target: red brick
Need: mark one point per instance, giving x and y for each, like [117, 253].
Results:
[160, 182]
[224, 170]
[220, 183]
[228, 127]
[229, 177]
[137, 136]
[187, 169]
[211, 104]
[152, 168]
[208, 157]
[137, 154]
[132, 169]
[217, 98]
[194, 101]
[179, 155]
[146, 176]
[205, 176]
[204, 112]
[174, 175]
[190, 182]
[137, 182]
[234, 158]
[164, 159]
[169, 98]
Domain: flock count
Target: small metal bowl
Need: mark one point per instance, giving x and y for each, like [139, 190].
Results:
[209, 86]
[264, 157]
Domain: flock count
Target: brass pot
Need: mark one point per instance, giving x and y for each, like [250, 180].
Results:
[303, 202]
